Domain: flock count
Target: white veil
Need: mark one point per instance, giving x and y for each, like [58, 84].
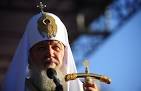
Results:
[18, 70]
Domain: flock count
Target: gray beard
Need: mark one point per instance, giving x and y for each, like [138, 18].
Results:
[43, 83]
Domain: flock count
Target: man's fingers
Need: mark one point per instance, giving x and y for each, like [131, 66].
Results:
[90, 87]
[86, 85]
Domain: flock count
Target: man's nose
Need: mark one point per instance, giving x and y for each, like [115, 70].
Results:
[50, 51]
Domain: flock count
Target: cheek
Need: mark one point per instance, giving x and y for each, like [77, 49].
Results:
[36, 58]
[61, 56]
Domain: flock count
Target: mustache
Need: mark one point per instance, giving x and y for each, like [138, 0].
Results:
[48, 60]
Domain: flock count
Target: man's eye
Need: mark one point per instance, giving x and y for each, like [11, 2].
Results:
[41, 48]
[57, 48]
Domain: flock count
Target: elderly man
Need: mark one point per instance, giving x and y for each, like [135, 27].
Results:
[44, 45]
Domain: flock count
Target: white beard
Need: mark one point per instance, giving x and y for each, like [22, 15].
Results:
[43, 83]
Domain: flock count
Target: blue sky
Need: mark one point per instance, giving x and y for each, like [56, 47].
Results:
[119, 57]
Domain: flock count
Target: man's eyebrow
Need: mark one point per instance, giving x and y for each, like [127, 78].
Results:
[58, 42]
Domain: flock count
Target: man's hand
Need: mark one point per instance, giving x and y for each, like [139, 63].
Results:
[90, 87]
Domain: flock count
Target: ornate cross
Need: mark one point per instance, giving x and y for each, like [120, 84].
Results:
[86, 65]
[88, 76]
[41, 6]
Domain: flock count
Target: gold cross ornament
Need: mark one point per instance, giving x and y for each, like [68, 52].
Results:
[86, 65]
[41, 6]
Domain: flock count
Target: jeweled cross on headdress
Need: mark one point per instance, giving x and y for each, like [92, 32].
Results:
[46, 23]
[41, 6]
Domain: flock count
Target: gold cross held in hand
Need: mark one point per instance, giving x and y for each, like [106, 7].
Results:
[86, 64]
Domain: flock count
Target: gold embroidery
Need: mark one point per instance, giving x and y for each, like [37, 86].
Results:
[47, 25]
